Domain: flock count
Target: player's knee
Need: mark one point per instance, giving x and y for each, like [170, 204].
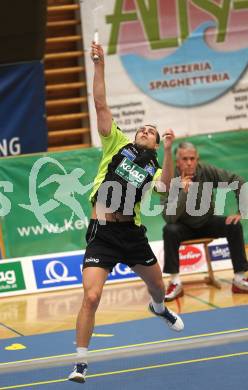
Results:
[92, 299]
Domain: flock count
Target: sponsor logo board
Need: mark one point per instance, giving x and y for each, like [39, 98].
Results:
[121, 271]
[192, 258]
[219, 252]
[60, 271]
[11, 277]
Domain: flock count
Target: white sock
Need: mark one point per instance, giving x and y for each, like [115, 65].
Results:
[175, 279]
[81, 356]
[238, 276]
[158, 307]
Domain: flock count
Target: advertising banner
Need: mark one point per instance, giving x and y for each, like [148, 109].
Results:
[23, 126]
[44, 199]
[219, 252]
[59, 271]
[121, 272]
[192, 258]
[56, 271]
[176, 63]
[11, 277]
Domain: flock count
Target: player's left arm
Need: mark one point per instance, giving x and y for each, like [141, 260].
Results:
[164, 181]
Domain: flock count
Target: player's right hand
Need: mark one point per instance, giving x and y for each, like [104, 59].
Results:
[97, 51]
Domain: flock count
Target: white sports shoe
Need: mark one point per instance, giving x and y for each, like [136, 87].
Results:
[240, 287]
[173, 291]
[79, 372]
[172, 319]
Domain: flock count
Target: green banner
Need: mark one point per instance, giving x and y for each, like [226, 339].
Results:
[44, 198]
[11, 277]
[47, 208]
[226, 150]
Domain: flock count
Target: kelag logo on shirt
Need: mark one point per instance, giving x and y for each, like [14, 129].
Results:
[131, 172]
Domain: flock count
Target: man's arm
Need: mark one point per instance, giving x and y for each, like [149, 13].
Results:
[104, 116]
[222, 175]
[168, 165]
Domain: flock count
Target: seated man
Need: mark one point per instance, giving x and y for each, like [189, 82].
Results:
[186, 225]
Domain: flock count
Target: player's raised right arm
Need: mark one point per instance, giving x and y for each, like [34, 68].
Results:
[104, 116]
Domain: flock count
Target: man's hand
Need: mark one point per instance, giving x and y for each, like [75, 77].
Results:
[97, 51]
[186, 181]
[168, 137]
[233, 219]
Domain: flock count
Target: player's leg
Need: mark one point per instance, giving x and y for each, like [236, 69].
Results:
[152, 276]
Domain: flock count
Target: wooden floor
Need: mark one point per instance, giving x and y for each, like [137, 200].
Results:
[56, 311]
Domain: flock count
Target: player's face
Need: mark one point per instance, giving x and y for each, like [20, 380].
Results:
[146, 137]
[187, 160]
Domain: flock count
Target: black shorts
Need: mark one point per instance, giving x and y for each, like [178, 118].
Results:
[117, 242]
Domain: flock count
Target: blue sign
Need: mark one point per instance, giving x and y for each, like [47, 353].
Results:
[219, 252]
[23, 126]
[121, 271]
[67, 270]
[58, 271]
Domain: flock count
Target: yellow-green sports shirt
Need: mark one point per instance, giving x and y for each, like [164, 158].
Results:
[123, 161]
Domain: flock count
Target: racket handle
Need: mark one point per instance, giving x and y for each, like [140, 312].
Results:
[96, 37]
[96, 40]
